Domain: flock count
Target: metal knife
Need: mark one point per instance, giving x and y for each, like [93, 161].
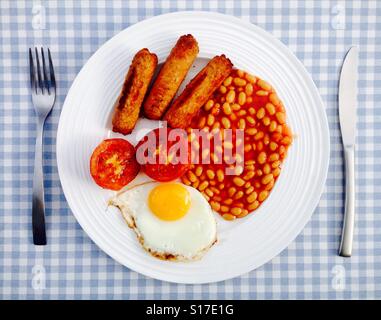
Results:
[347, 115]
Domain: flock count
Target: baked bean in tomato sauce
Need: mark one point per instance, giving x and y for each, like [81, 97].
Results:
[244, 102]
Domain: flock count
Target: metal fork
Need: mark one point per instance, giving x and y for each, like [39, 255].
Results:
[43, 89]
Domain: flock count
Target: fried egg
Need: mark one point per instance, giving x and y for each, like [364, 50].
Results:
[172, 221]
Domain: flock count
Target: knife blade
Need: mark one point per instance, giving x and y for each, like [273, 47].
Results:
[347, 116]
[348, 97]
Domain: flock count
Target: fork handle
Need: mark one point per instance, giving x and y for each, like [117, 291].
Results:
[349, 216]
[38, 208]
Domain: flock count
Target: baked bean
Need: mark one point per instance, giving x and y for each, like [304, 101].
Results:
[215, 190]
[238, 195]
[251, 131]
[261, 113]
[252, 111]
[203, 185]
[286, 140]
[236, 211]
[286, 130]
[249, 89]
[192, 177]
[270, 108]
[264, 85]
[240, 73]
[216, 125]
[273, 146]
[226, 108]
[232, 191]
[247, 147]
[235, 107]
[209, 105]
[250, 120]
[276, 172]
[242, 98]
[273, 126]
[263, 195]
[253, 205]
[209, 192]
[220, 175]
[275, 164]
[210, 174]
[259, 135]
[223, 89]
[274, 99]
[266, 121]
[261, 93]
[262, 157]
[224, 208]
[249, 168]
[239, 82]
[267, 178]
[205, 196]
[241, 124]
[281, 117]
[230, 96]
[249, 175]
[228, 81]
[270, 185]
[266, 139]
[225, 122]
[252, 197]
[238, 181]
[228, 216]
[250, 78]
[198, 171]
[201, 122]
[249, 190]
[186, 180]
[215, 205]
[266, 168]
[243, 214]
[210, 120]
[273, 157]
[228, 201]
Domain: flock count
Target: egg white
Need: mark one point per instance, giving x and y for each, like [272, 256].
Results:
[187, 238]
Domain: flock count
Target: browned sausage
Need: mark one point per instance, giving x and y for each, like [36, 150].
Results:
[171, 76]
[134, 89]
[197, 92]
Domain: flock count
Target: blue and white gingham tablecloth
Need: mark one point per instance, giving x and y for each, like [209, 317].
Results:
[71, 266]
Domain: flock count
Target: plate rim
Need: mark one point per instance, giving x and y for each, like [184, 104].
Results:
[254, 28]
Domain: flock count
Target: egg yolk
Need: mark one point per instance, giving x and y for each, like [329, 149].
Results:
[169, 201]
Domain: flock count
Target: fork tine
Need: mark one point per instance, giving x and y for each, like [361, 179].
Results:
[46, 80]
[39, 72]
[51, 68]
[32, 71]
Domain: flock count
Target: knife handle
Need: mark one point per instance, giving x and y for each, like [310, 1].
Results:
[349, 216]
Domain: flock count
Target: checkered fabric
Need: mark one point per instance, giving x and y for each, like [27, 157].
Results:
[71, 266]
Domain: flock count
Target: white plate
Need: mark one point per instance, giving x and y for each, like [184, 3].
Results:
[244, 244]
